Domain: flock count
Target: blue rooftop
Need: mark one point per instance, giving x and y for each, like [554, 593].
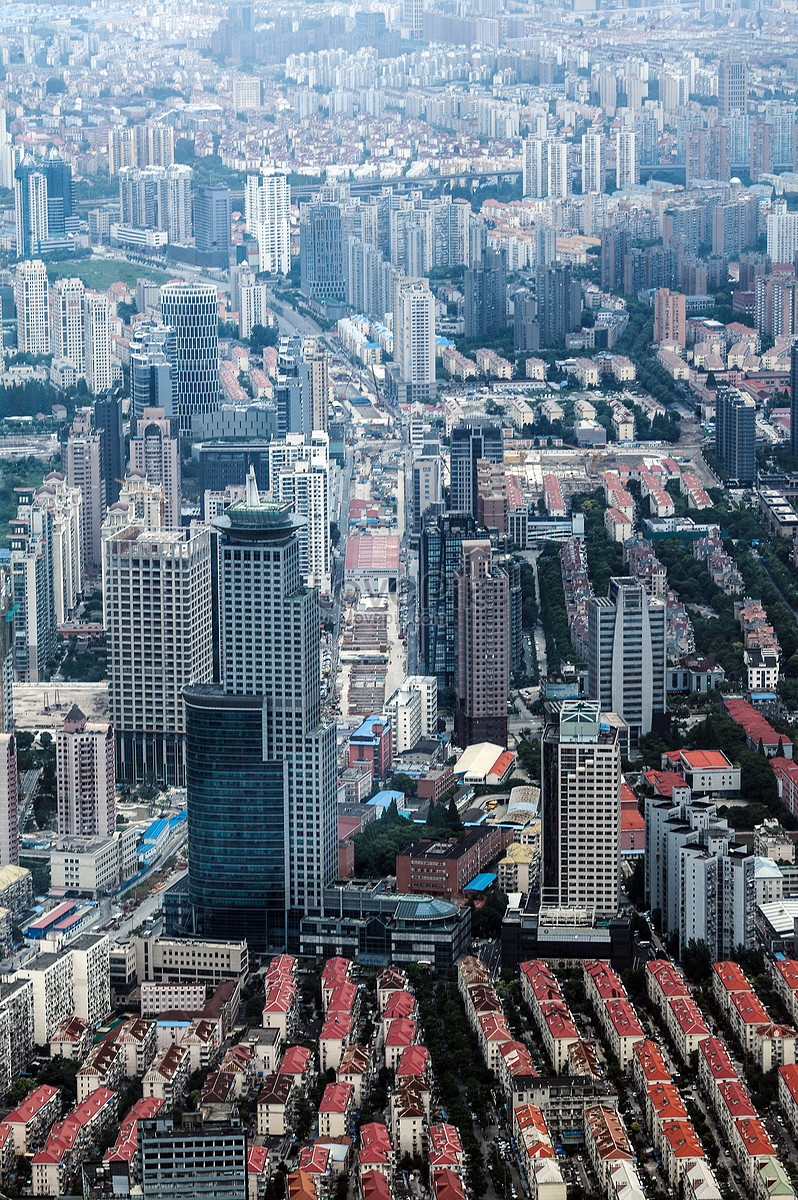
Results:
[481, 883]
[383, 799]
[366, 730]
[155, 830]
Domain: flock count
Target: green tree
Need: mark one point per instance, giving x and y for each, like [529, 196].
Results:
[697, 961]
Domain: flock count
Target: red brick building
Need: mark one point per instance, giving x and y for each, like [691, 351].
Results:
[443, 868]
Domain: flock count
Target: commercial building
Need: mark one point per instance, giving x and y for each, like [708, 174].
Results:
[97, 343]
[471, 442]
[627, 657]
[156, 587]
[735, 435]
[190, 309]
[94, 865]
[732, 85]
[442, 537]
[85, 777]
[299, 475]
[153, 370]
[267, 207]
[482, 606]
[269, 669]
[580, 810]
[196, 1157]
[212, 224]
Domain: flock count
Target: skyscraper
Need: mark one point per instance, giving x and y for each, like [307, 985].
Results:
[157, 197]
[592, 164]
[321, 250]
[732, 86]
[156, 611]
[735, 435]
[559, 303]
[154, 451]
[482, 604]
[35, 625]
[545, 167]
[317, 361]
[414, 339]
[191, 311]
[299, 475]
[153, 370]
[794, 399]
[485, 309]
[30, 209]
[84, 752]
[61, 218]
[81, 457]
[6, 156]
[292, 389]
[267, 207]
[580, 803]
[470, 442]
[9, 813]
[441, 555]
[97, 342]
[627, 169]
[627, 656]
[269, 674]
[213, 222]
[108, 423]
[66, 322]
[33, 316]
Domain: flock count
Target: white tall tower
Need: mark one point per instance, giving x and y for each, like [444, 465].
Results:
[33, 317]
[592, 165]
[559, 184]
[6, 157]
[66, 322]
[97, 342]
[627, 171]
[305, 486]
[267, 205]
[536, 166]
[414, 335]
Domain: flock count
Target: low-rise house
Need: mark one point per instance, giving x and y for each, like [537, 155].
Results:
[265, 1046]
[648, 1066]
[335, 972]
[733, 1104]
[664, 982]
[788, 1095]
[413, 1063]
[258, 1172]
[559, 1032]
[30, 1120]
[389, 981]
[8, 1160]
[409, 1113]
[125, 1149]
[745, 1013]
[774, 1046]
[336, 1110]
[72, 1039]
[680, 1147]
[750, 1145]
[203, 1041]
[686, 1026]
[355, 1069]
[376, 1151]
[714, 1067]
[104, 1067]
[137, 1040]
[606, 1141]
[335, 1036]
[275, 1105]
[445, 1149]
[70, 1141]
[299, 1063]
[623, 1030]
[374, 1186]
[402, 1033]
[663, 1103]
[280, 1007]
[785, 983]
[728, 980]
[167, 1077]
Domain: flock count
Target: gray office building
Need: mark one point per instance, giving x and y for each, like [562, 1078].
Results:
[153, 370]
[191, 310]
[212, 224]
[194, 1158]
[485, 310]
[321, 252]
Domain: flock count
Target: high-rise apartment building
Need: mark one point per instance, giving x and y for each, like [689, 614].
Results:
[794, 399]
[627, 656]
[253, 302]
[545, 168]
[9, 810]
[191, 310]
[441, 555]
[485, 308]
[267, 208]
[470, 442]
[81, 457]
[97, 343]
[66, 322]
[6, 651]
[35, 625]
[156, 197]
[559, 298]
[782, 233]
[735, 435]
[482, 605]
[65, 505]
[627, 169]
[670, 317]
[592, 164]
[299, 471]
[155, 144]
[732, 86]
[6, 153]
[154, 451]
[580, 805]
[30, 209]
[317, 362]
[426, 482]
[153, 369]
[85, 776]
[614, 246]
[203, 1159]
[158, 620]
[760, 152]
[121, 148]
[269, 686]
[414, 339]
[33, 317]
[707, 153]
